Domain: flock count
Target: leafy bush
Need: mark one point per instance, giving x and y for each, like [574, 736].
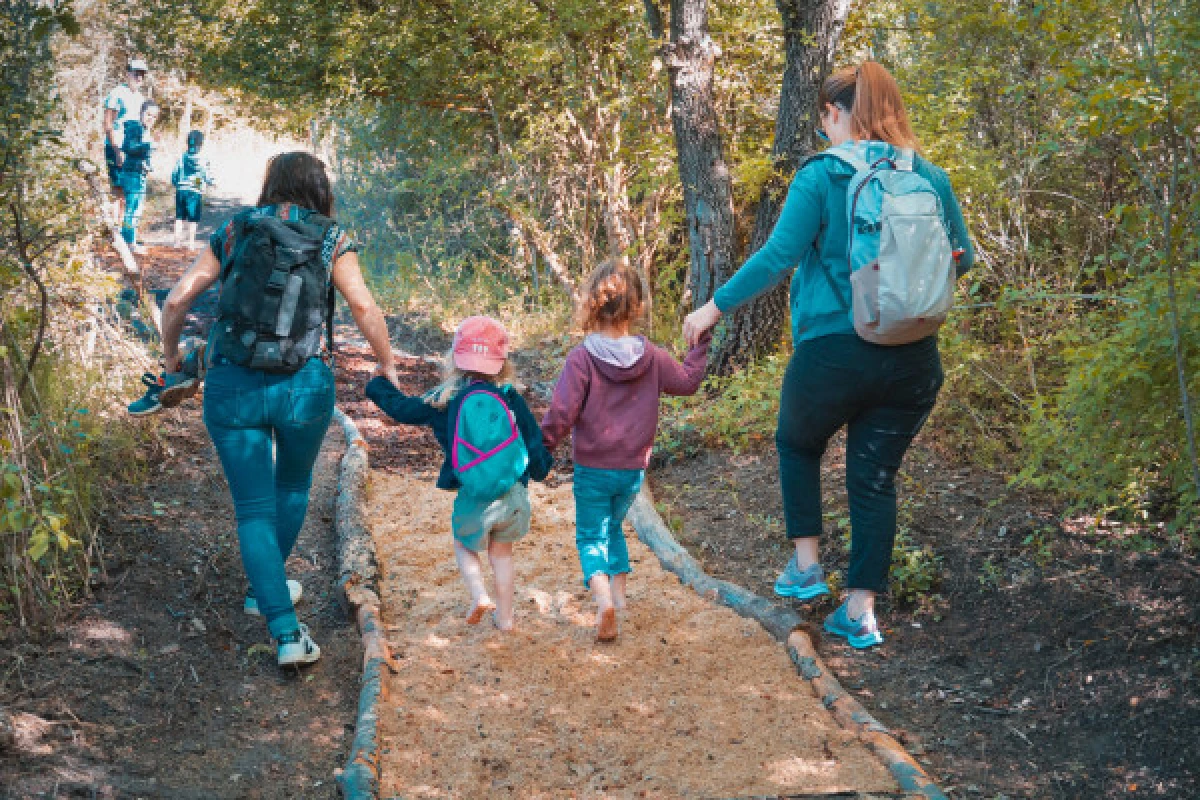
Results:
[1113, 435]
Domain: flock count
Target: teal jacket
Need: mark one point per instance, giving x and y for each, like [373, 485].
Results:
[812, 226]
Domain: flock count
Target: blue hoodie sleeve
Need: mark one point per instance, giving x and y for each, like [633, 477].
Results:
[790, 241]
[399, 406]
[540, 459]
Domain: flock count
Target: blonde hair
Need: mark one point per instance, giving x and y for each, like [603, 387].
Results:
[872, 96]
[614, 295]
[454, 380]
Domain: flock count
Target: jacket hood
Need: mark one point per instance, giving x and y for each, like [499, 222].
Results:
[619, 374]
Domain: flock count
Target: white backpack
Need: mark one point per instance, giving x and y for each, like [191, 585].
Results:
[901, 263]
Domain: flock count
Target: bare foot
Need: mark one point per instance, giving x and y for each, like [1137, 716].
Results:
[482, 607]
[606, 625]
[503, 625]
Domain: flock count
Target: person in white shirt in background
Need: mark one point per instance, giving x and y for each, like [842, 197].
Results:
[120, 105]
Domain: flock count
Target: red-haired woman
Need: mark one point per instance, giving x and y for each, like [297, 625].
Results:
[881, 394]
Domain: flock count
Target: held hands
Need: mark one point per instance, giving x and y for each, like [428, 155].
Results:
[388, 372]
[699, 322]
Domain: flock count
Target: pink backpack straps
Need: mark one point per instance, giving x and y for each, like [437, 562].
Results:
[480, 455]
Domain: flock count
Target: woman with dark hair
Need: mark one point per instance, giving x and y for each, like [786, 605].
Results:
[881, 393]
[269, 392]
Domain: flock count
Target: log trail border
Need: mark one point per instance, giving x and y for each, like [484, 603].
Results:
[790, 628]
[358, 585]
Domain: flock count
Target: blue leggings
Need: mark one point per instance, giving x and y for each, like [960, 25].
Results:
[602, 499]
[133, 214]
[268, 430]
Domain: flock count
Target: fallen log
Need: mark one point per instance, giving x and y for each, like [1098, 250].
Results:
[358, 586]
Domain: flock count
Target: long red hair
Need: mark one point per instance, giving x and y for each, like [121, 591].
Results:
[872, 96]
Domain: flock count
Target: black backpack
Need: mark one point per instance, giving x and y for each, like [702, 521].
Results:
[276, 292]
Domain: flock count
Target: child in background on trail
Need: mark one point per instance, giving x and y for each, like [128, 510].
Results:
[137, 148]
[493, 447]
[191, 175]
[607, 398]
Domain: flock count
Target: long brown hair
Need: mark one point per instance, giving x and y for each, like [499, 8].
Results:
[299, 178]
[614, 296]
[872, 96]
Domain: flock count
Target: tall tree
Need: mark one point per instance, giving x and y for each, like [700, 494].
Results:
[811, 30]
[690, 56]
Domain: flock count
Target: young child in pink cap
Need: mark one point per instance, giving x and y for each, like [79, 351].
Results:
[493, 447]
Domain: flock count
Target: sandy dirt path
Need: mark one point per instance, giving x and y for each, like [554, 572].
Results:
[691, 701]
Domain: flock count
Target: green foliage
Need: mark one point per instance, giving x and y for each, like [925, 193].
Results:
[1114, 433]
[739, 411]
[58, 374]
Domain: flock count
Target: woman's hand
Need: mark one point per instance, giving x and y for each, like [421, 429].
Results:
[172, 362]
[700, 321]
[388, 372]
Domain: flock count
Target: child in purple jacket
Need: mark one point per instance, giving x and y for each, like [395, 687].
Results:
[607, 396]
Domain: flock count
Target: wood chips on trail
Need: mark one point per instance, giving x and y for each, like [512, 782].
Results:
[691, 701]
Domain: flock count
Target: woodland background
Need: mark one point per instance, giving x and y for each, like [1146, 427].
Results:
[489, 154]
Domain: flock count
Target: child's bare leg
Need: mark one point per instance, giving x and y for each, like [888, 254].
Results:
[500, 554]
[471, 569]
[618, 590]
[606, 615]
[191, 235]
[178, 238]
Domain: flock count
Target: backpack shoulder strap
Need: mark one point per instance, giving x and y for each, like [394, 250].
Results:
[333, 234]
[904, 159]
[846, 156]
[237, 232]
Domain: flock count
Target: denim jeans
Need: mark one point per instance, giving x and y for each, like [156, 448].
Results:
[268, 430]
[602, 499]
[883, 395]
[135, 195]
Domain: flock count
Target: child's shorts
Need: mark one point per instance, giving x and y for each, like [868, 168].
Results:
[505, 519]
[188, 206]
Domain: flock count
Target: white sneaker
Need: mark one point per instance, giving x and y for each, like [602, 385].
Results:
[296, 648]
[295, 590]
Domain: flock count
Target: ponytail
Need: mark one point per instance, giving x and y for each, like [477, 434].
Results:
[872, 96]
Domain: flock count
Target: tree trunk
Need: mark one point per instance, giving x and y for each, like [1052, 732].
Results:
[707, 186]
[757, 328]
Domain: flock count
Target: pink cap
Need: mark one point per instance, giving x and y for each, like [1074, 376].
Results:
[480, 345]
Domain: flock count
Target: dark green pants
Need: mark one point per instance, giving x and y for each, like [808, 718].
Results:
[883, 395]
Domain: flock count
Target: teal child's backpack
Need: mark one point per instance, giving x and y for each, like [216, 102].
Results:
[901, 263]
[487, 452]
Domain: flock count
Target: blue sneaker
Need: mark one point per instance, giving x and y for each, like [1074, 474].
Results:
[861, 633]
[801, 584]
[151, 401]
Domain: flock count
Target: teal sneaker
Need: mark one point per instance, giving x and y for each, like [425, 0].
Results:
[151, 401]
[801, 584]
[861, 633]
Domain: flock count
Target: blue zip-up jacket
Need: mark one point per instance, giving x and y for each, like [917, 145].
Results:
[137, 148]
[411, 410]
[191, 172]
[813, 225]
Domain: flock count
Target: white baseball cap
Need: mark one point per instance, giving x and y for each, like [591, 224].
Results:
[138, 64]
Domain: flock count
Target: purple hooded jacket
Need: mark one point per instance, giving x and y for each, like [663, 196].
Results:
[613, 410]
